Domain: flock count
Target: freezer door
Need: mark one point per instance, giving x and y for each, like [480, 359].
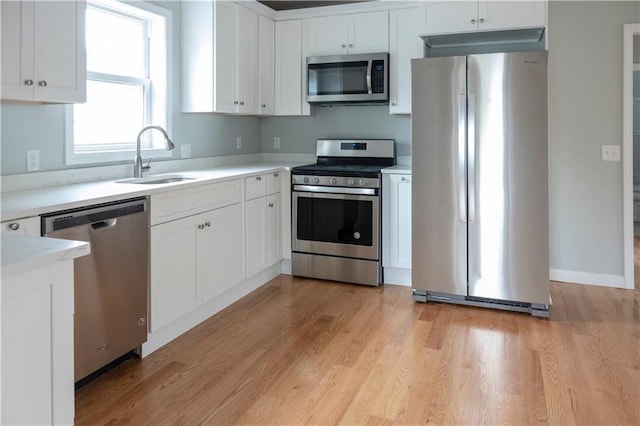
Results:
[507, 177]
[439, 250]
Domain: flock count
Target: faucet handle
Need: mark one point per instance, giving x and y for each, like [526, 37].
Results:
[148, 166]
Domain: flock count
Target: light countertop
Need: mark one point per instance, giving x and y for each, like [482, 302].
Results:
[397, 170]
[34, 202]
[22, 254]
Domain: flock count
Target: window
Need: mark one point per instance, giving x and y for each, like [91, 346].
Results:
[128, 49]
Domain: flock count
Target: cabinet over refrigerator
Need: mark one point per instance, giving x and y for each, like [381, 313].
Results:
[480, 196]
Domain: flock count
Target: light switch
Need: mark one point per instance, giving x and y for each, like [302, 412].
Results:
[185, 151]
[610, 152]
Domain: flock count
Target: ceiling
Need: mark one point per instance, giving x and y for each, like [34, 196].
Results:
[295, 4]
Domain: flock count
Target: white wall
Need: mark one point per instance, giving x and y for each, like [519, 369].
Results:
[585, 112]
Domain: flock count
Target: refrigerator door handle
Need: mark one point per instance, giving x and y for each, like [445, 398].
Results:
[462, 125]
[471, 147]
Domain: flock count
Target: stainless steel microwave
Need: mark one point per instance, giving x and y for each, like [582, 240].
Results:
[348, 79]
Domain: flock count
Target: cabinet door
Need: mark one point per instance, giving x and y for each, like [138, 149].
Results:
[274, 213]
[255, 236]
[247, 71]
[255, 186]
[496, 15]
[173, 289]
[404, 44]
[326, 35]
[450, 16]
[28, 226]
[17, 50]
[219, 247]
[368, 32]
[273, 182]
[225, 48]
[266, 55]
[59, 51]
[289, 68]
[397, 222]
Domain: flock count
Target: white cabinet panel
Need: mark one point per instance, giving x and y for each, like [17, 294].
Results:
[247, 59]
[266, 65]
[27, 226]
[347, 34]
[368, 32]
[290, 69]
[273, 182]
[43, 51]
[173, 289]
[273, 223]
[405, 44]
[255, 186]
[396, 228]
[441, 17]
[255, 236]
[225, 49]
[219, 251]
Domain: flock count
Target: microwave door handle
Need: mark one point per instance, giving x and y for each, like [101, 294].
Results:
[369, 76]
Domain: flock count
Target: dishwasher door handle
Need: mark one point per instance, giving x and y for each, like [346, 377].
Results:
[109, 223]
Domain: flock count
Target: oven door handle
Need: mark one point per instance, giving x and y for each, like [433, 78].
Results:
[369, 76]
[334, 190]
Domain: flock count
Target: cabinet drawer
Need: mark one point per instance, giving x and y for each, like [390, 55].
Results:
[255, 186]
[186, 202]
[27, 226]
[273, 182]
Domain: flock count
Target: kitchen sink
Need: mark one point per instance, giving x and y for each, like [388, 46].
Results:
[156, 180]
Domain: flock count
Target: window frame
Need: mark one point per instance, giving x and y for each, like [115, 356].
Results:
[156, 86]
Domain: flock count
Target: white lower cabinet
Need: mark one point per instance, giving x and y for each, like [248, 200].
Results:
[396, 228]
[193, 260]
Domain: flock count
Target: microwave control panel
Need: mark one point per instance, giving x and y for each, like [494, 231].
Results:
[377, 77]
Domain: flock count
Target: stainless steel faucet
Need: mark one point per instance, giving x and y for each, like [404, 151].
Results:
[137, 162]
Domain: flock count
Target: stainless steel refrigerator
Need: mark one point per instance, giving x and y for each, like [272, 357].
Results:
[479, 169]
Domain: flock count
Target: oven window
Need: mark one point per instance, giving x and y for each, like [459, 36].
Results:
[335, 221]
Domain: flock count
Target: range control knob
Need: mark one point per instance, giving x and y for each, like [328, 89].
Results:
[334, 181]
[350, 182]
[306, 180]
[316, 180]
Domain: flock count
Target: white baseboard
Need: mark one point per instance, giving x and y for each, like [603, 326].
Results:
[605, 280]
[286, 267]
[397, 276]
[183, 324]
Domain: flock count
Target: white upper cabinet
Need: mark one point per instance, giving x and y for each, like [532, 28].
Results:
[347, 34]
[219, 58]
[404, 45]
[43, 51]
[266, 68]
[290, 69]
[441, 17]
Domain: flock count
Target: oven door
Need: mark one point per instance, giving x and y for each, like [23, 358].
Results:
[333, 224]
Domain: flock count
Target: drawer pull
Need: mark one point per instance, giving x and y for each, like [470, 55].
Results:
[14, 226]
[258, 177]
[276, 175]
[270, 204]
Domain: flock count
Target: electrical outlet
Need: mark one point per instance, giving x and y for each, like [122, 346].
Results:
[185, 151]
[239, 142]
[610, 152]
[276, 142]
[33, 160]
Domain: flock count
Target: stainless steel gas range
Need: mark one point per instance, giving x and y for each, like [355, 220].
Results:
[336, 211]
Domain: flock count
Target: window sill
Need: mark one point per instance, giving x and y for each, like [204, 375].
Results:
[114, 156]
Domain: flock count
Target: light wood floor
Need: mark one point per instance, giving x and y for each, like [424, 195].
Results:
[303, 351]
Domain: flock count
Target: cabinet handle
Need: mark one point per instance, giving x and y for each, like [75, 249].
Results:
[14, 226]
[393, 104]
[235, 102]
[270, 204]
[276, 175]
[473, 21]
[404, 179]
[258, 177]
[208, 224]
[343, 45]
[42, 83]
[241, 102]
[201, 226]
[482, 20]
[264, 105]
[28, 82]
[350, 45]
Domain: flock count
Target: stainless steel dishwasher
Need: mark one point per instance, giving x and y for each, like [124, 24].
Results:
[110, 283]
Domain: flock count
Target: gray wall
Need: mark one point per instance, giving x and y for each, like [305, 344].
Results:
[585, 112]
[299, 134]
[42, 126]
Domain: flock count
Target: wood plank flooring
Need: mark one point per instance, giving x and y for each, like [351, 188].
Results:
[300, 351]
